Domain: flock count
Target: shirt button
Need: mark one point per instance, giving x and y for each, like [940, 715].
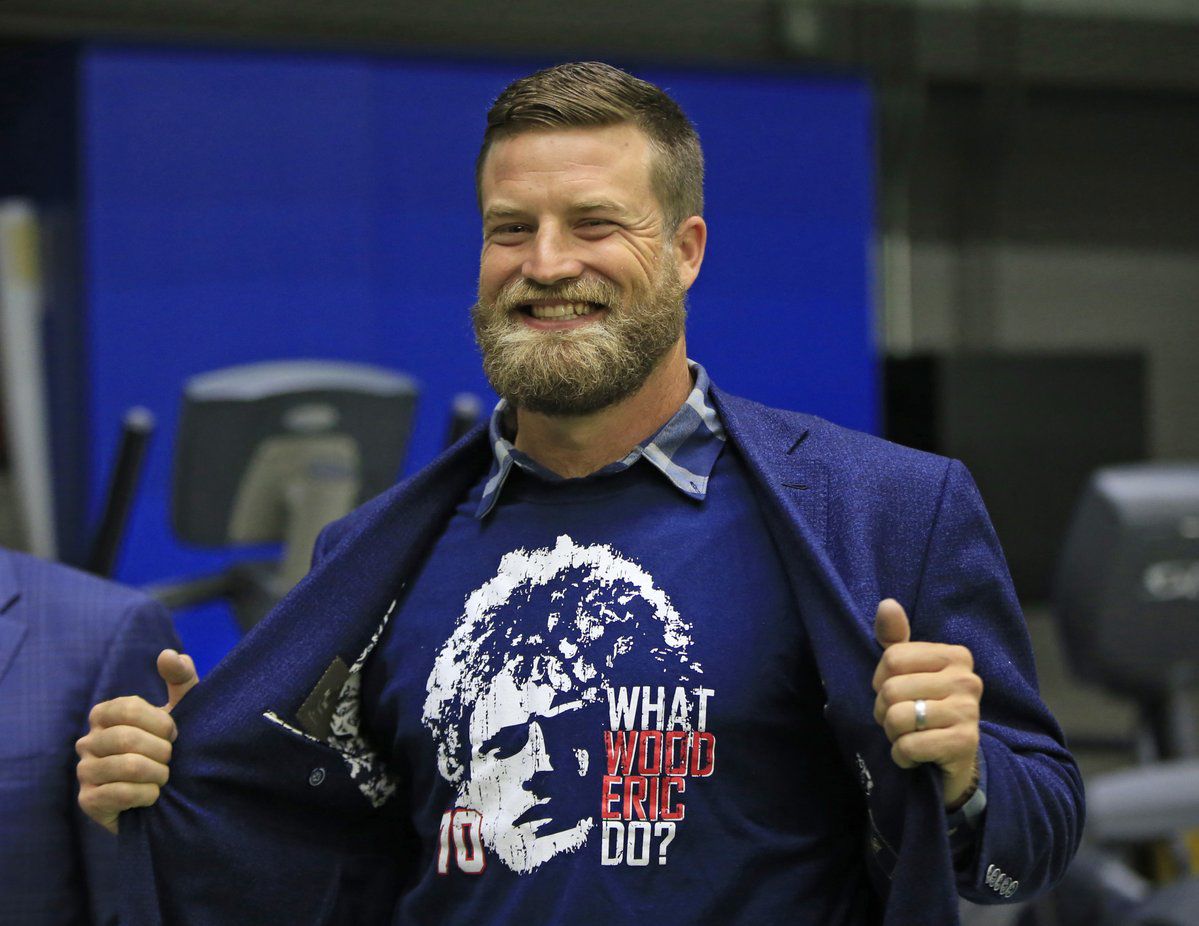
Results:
[317, 777]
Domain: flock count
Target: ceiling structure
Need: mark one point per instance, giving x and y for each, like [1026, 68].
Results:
[1131, 44]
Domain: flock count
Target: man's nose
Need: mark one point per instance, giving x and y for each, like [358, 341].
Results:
[552, 257]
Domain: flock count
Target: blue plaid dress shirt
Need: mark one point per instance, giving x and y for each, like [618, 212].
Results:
[684, 449]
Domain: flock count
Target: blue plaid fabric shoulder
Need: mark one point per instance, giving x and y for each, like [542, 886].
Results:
[684, 449]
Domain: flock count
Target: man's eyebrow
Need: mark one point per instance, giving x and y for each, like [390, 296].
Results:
[502, 212]
[588, 205]
[598, 205]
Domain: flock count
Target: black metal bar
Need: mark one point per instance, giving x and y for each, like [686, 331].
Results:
[136, 430]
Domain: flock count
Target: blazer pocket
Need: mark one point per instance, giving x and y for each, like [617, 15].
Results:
[345, 764]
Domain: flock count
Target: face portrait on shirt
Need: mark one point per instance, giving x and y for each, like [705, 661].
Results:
[517, 698]
[524, 749]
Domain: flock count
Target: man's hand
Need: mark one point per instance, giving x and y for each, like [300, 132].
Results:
[943, 677]
[123, 758]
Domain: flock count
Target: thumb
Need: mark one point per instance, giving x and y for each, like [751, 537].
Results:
[891, 623]
[179, 672]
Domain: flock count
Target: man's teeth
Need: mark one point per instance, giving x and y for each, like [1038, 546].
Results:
[562, 310]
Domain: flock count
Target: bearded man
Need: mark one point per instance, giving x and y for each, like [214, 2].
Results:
[452, 720]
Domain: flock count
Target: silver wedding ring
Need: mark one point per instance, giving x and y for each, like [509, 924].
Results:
[921, 713]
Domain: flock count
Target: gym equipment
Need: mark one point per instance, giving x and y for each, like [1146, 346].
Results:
[272, 452]
[465, 412]
[1128, 596]
[1127, 605]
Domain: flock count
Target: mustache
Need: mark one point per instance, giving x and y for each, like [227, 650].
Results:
[521, 292]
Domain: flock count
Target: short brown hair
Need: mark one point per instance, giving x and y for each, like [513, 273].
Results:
[591, 93]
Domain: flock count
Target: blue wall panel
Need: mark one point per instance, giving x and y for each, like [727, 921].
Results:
[250, 205]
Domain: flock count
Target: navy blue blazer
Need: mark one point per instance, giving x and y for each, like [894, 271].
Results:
[263, 823]
[67, 641]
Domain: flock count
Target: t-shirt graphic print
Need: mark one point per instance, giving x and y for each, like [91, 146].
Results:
[568, 714]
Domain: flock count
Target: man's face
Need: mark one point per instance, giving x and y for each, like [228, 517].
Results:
[579, 286]
[521, 755]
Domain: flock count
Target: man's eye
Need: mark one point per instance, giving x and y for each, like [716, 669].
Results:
[509, 234]
[595, 228]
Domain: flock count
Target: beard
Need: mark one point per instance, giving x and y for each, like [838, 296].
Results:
[579, 370]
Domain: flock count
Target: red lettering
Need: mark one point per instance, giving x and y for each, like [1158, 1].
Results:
[678, 810]
[622, 749]
[703, 762]
[676, 759]
[634, 797]
[651, 741]
[607, 811]
[663, 760]
[655, 791]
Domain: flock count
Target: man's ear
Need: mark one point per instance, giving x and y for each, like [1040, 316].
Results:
[690, 239]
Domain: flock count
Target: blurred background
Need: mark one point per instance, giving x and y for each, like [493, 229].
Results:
[971, 226]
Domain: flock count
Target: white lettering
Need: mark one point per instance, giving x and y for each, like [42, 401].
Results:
[612, 844]
[680, 711]
[703, 694]
[622, 708]
[657, 707]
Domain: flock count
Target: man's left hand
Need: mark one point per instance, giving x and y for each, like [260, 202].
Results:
[942, 675]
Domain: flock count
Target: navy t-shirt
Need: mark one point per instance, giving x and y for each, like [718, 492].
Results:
[600, 702]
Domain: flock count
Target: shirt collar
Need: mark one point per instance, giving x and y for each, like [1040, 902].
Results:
[684, 450]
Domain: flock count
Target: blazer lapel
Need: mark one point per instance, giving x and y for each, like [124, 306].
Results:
[796, 486]
[794, 468]
[12, 631]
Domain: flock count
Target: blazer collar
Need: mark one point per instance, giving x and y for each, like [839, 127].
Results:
[787, 452]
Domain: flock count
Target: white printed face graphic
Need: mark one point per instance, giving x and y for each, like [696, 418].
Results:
[509, 764]
[516, 699]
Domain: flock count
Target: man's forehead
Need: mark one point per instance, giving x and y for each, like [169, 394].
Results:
[584, 160]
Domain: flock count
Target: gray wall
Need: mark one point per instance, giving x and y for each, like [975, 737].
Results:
[1062, 220]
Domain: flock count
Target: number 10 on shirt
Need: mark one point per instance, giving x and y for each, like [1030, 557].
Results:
[459, 836]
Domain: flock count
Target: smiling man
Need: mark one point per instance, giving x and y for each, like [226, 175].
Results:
[636, 648]
[581, 289]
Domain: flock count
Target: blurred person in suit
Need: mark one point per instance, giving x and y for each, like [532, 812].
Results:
[67, 641]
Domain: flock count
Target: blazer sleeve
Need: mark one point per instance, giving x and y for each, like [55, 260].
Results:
[127, 667]
[1033, 819]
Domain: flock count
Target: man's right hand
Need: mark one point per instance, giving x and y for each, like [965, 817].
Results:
[124, 758]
